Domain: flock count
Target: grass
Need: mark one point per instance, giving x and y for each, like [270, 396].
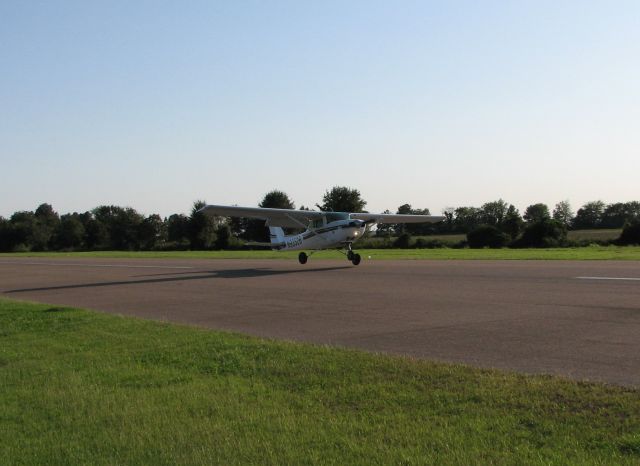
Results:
[583, 253]
[594, 235]
[79, 387]
[451, 240]
[573, 235]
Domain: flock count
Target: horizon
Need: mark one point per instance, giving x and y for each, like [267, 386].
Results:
[313, 207]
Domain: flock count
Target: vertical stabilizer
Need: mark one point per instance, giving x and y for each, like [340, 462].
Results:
[276, 235]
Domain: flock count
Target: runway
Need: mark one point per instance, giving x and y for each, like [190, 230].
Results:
[580, 319]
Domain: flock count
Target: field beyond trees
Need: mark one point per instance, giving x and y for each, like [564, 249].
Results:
[80, 387]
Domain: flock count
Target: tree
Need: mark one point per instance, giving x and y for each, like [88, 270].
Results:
[385, 229]
[256, 230]
[493, 213]
[544, 233]
[237, 225]
[6, 235]
[202, 228]
[562, 212]
[96, 233]
[487, 236]
[618, 214]
[467, 218]
[342, 199]
[151, 232]
[223, 236]
[276, 199]
[23, 225]
[536, 213]
[46, 222]
[122, 224]
[413, 228]
[449, 215]
[512, 223]
[589, 215]
[70, 232]
[178, 228]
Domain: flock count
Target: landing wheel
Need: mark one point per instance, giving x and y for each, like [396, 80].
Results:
[355, 259]
[302, 258]
[350, 254]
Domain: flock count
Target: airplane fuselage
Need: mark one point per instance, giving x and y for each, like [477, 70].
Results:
[335, 234]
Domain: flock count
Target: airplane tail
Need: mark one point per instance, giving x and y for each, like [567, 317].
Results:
[276, 235]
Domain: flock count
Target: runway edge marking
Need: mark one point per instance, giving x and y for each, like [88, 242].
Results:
[609, 278]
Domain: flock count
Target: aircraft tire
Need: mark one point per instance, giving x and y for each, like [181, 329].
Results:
[356, 259]
[350, 255]
[302, 258]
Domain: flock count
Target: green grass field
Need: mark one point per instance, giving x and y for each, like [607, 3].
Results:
[594, 235]
[452, 240]
[585, 253]
[79, 387]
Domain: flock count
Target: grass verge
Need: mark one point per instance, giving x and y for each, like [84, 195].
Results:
[584, 253]
[79, 387]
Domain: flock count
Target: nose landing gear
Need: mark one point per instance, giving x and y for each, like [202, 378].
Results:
[302, 258]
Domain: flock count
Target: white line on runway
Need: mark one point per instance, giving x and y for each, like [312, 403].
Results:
[124, 266]
[609, 278]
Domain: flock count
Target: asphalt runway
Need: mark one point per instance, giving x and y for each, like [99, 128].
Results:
[579, 319]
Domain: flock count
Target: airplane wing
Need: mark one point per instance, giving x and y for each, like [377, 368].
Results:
[398, 218]
[275, 217]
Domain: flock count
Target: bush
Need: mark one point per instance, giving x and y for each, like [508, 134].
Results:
[487, 236]
[545, 233]
[630, 234]
[403, 241]
[422, 243]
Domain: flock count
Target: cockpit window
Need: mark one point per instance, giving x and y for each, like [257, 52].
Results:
[335, 216]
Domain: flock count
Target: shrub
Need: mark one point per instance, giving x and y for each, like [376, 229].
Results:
[487, 236]
[422, 243]
[402, 241]
[545, 233]
[630, 234]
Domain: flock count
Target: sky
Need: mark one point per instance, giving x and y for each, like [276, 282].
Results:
[154, 104]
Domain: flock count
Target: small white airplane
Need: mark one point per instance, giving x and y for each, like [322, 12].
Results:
[322, 230]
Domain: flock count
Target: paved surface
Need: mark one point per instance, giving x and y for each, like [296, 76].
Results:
[529, 316]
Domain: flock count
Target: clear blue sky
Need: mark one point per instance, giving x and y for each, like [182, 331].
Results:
[156, 104]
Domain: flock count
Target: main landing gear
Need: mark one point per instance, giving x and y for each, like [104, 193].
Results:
[352, 256]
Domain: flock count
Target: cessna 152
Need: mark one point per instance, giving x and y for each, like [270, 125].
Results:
[322, 230]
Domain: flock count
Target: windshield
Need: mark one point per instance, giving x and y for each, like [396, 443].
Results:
[334, 216]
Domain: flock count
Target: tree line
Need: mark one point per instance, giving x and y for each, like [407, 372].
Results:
[110, 227]
[494, 224]
[499, 224]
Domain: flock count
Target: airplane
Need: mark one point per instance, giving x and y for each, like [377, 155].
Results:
[322, 230]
